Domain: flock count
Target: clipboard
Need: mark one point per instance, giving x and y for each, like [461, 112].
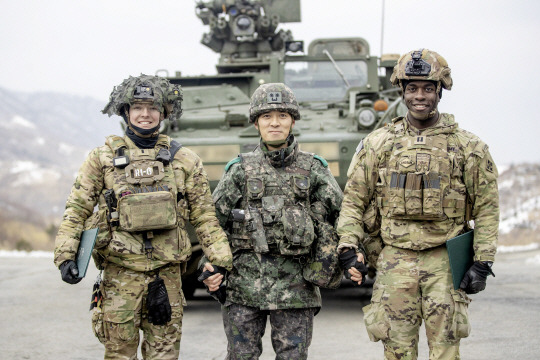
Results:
[460, 254]
[84, 253]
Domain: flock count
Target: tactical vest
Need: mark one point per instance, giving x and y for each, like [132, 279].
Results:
[421, 178]
[144, 187]
[276, 215]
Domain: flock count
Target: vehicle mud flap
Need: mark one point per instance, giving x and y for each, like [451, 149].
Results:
[375, 318]
[460, 327]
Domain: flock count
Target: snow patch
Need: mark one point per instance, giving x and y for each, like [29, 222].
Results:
[517, 248]
[22, 165]
[19, 120]
[31, 254]
[534, 260]
[65, 149]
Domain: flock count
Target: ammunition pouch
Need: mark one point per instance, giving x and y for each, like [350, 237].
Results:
[147, 211]
[322, 269]
[298, 231]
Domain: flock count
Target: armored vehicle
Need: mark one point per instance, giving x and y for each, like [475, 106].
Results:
[344, 91]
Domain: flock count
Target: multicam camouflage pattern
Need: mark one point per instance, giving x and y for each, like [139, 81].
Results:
[413, 286]
[414, 279]
[273, 96]
[439, 69]
[467, 166]
[244, 326]
[184, 175]
[123, 313]
[166, 96]
[270, 280]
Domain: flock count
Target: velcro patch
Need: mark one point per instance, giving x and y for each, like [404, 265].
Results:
[274, 97]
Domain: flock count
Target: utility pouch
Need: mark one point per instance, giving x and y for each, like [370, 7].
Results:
[298, 230]
[413, 194]
[256, 228]
[432, 201]
[147, 211]
[396, 194]
[240, 237]
[300, 185]
[322, 269]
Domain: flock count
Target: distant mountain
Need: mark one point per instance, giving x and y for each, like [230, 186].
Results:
[46, 138]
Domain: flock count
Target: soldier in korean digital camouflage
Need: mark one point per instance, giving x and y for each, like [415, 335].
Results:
[147, 187]
[278, 205]
[427, 178]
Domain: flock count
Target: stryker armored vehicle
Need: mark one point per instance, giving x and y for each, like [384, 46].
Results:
[344, 91]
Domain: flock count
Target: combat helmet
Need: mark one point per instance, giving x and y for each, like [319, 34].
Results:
[422, 64]
[273, 96]
[146, 88]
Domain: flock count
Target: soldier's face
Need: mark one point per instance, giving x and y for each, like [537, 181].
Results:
[144, 115]
[274, 126]
[421, 99]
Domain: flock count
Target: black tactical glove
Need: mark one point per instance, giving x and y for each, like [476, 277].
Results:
[475, 278]
[221, 293]
[69, 271]
[349, 259]
[157, 303]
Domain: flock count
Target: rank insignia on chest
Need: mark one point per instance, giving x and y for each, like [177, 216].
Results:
[420, 140]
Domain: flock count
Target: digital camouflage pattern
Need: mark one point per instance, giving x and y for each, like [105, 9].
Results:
[271, 280]
[166, 96]
[244, 326]
[185, 174]
[439, 171]
[409, 67]
[123, 312]
[273, 96]
[413, 286]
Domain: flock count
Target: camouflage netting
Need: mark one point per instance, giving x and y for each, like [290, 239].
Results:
[166, 96]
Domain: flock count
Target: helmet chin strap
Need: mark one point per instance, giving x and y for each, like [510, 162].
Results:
[140, 132]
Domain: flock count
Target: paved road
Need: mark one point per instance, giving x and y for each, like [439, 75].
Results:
[43, 318]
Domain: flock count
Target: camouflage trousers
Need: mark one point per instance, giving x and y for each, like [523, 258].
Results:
[123, 314]
[244, 326]
[411, 286]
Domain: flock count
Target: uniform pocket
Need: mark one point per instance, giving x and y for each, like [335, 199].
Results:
[460, 327]
[119, 326]
[375, 319]
[97, 325]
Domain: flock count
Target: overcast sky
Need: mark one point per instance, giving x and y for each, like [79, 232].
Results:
[85, 47]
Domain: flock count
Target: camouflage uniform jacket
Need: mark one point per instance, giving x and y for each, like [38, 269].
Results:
[448, 167]
[270, 280]
[126, 248]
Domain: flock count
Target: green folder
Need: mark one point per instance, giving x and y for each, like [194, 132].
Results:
[460, 253]
[84, 253]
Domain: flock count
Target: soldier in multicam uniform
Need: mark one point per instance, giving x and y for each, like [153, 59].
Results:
[276, 203]
[427, 178]
[147, 187]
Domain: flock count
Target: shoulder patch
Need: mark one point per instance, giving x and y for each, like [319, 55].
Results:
[323, 162]
[232, 162]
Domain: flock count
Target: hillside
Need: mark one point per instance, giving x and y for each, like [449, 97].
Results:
[47, 136]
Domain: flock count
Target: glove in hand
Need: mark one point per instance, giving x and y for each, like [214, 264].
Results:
[157, 303]
[221, 293]
[70, 272]
[475, 278]
[349, 259]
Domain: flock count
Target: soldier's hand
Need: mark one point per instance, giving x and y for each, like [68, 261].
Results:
[213, 281]
[353, 266]
[70, 272]
[475, 278]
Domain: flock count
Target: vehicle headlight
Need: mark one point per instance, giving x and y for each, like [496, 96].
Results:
[366, 117]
